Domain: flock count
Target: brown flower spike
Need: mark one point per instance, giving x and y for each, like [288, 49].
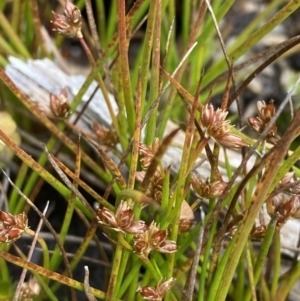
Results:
[59, 105]
[154, 189]
[147, 153]
[284, 206]
[218, 128]
[30, 290]
[259, 123]
[122, 220]
[285, 201]
[104, 135]
[69, 24]
[12, 226]
[156, 293]
[206, 189]
[153, 239]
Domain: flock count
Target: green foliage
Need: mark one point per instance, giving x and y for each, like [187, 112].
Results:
[176, 69]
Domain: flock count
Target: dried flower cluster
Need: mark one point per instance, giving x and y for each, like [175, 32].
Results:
[258, 232]
[156, 293]
[185, 225]
[289, 184]
[218, 128]
[187, 218]
[286, 203]
[153, 239]
[30, 290]
[106, 136]
[122, 220]
[206, 189]
[59, 104]
[154, 189]
[12, 226]
[147, 154]
[146, 238]
[69, 24]
[259, 123]
[284, 206]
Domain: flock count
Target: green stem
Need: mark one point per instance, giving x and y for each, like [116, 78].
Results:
[261, 258]
[288, 283]
[259, 197]
[102, 88]
[56, 257]
[123, 49]
[205, 264]
[250, 273]
[136, 264]
[6, 48]
[51, 275]
[240, 284]
[64, 191]
[121, 272]
[147, 49]
[14, 196]
[180, 189]
[111, 292]
[80, 251]
[44, 248]
[276, 269]
[13, 37]
[155, 74]
[252, 40]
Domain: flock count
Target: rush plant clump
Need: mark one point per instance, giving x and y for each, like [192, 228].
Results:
[174, 195]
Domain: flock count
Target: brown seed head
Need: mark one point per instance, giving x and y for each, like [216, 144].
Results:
[256, 124]
[69, 24]
[12, 227]
[148, 152]
[289, 208]
[289, 184]
[59, 105]
[106, 136]
[265, 114]
[157, 238]
[168, 246]
[164, 287]
[266, 111]
[185, 225]
[153, 239]
[7, 219]
[206, 189]
[209, 116]
[258, 232]
[136, 227]
[141, 246]
[287, 178]
[124, 214]
[284, 207]
[149, 293]
[107, 218]
[230, 141]
[218, 128]
[30, 290]
[154, 189]
[122, 220]
[157, 293]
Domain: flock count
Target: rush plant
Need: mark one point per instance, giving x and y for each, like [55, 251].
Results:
[189, 206]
